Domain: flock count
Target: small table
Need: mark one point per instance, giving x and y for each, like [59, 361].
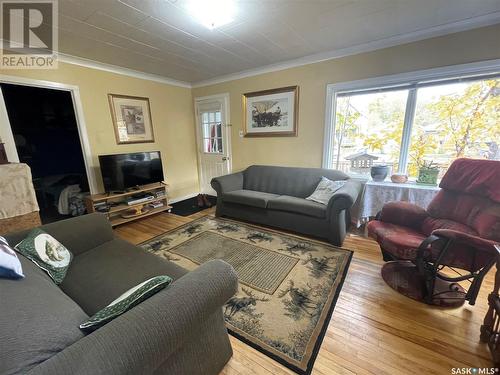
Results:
[376, 194]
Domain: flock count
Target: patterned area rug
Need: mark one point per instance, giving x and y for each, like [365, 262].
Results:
[288, 284]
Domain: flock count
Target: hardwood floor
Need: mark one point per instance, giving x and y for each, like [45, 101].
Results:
[374, 330]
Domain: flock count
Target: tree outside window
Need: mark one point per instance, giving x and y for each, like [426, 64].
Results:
[451, 121]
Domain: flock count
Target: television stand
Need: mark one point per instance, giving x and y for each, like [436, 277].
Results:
[115, 192]
[118, 211]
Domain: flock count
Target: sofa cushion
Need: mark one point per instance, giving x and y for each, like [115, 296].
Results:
[295, 182]
[297, 205]
[249, 198]
[79, 240]
[99, 276]
[10, 266]
[37, 320]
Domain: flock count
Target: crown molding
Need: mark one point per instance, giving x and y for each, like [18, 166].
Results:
[69, 59]
[449, 28]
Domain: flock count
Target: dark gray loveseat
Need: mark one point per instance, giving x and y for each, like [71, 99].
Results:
[179, 330]
[275, 196]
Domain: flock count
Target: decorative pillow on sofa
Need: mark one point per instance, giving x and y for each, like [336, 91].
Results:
[47, 253]
[125, 302]
[10, 266]
[325, 190]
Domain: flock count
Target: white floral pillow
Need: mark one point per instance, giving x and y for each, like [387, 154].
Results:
[325, 190]
[47, 253]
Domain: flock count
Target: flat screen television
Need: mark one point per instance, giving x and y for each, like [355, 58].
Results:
[122, 172]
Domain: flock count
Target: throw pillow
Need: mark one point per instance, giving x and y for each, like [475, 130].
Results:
[47, 253]
[325, 190]
[10, 266]
[125, 302]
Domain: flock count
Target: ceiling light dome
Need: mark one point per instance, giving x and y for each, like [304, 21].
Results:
[212, 13]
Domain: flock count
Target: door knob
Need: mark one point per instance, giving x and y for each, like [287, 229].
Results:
[225, 158]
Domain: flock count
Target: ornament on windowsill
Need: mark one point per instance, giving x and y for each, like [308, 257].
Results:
[428, 173]
[399, 178]
[379, 172]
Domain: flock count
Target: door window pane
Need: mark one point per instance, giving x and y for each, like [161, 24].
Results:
[212, 132]
[453, 121]
[368, 131]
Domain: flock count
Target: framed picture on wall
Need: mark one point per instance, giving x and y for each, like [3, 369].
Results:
[271, 113]
[131, 119]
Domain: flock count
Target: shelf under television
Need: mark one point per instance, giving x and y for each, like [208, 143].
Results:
[117, 220]
[125, 206]
[119, 204]
[141, 189]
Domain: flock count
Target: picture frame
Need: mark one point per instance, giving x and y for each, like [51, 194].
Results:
[271, 113]
[131, 117]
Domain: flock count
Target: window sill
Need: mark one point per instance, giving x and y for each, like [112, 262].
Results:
[406, 185]
[411, 183]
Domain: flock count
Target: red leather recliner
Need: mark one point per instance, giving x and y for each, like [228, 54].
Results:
[458, 230]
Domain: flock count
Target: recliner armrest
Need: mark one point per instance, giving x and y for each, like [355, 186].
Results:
[467, 239]
[229, 182]
[403, 213]
[143, 338]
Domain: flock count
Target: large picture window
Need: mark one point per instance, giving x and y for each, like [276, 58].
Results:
[406, 124]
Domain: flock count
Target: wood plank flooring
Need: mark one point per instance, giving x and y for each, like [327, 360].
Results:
[373, 330]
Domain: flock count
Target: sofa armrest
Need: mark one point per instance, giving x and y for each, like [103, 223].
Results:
[345, 197]
[226, 183]
[403, 213]
[143, 338]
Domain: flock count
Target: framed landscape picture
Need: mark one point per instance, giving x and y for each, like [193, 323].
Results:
[131, 119]
[271, 113]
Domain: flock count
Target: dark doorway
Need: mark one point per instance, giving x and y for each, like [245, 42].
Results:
[45, 131]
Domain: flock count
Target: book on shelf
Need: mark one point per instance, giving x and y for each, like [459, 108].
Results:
[144, 199]
[156, 204]
[102, 208]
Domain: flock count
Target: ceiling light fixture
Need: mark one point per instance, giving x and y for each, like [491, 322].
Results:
[212, 13]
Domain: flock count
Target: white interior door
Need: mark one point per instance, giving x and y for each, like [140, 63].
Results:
[6, 135]
[214, 145]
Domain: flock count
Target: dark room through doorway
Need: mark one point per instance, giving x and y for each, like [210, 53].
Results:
[45, 130]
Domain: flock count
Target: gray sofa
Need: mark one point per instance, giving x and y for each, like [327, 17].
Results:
[179, 330]
[274, 196]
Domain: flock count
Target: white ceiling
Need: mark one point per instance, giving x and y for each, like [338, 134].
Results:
[159, 37]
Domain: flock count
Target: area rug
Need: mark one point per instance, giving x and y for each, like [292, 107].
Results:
[288, 284]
